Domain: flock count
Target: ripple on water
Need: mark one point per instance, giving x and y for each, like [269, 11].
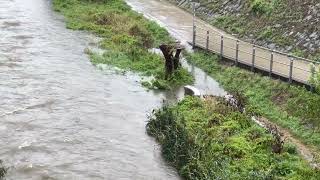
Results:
[8, 24]
[62, 117]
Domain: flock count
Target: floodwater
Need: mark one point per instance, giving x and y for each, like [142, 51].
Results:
[63, 118]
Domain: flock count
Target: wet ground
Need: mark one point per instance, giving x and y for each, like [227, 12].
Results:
[61, 117]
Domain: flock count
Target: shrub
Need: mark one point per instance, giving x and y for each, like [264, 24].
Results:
[315, 78]
[142, 34]
[290, 148]
[261, 6]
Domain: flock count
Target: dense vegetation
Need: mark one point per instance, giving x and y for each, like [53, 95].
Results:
[210, 140]
[287, 25]
[290, 106]
[127, 37]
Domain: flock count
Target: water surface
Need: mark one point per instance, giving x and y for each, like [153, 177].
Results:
[62, 118]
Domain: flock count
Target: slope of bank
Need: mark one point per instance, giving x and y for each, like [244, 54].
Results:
[211, 140]
[126, 36]
[286, 25]
[289, 106]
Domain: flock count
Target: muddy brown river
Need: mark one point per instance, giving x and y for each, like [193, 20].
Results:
[63, 118]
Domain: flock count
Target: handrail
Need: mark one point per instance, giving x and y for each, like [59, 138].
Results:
[258, 46]
[253, 55]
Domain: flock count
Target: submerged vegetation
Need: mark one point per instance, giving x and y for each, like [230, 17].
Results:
[210, 140]
[290, 106]
[127, 38]
[3, 170]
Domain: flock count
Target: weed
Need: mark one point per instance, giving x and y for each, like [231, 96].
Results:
[260, 7]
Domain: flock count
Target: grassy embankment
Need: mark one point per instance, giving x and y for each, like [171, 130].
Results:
[127, 37]
[209, 140]
[290, 106]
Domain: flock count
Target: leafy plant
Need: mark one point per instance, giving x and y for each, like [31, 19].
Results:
[262, 6]
[315, 78]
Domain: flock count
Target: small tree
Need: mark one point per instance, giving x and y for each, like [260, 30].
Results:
[171, 61]
[315, 78]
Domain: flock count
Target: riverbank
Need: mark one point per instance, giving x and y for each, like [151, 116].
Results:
[290, 106]
[210, 140]
[127, 38]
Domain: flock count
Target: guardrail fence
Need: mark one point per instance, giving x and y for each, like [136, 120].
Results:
[275, 62]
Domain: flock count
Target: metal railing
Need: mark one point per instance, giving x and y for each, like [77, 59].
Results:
[274, 62]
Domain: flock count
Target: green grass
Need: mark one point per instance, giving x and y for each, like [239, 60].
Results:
[127, 37]
[209, 140]
[290, 106]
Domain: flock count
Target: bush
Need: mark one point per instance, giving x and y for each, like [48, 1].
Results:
[315, 78]
[261, 6]
[290, 148]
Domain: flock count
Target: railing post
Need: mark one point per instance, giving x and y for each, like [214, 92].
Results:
[313, 73]
[237, 52]
[291, 69]
[271, 64]
[207, 44]
[194, 37]
[253, 57]
[221, 47]
[312, 89]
